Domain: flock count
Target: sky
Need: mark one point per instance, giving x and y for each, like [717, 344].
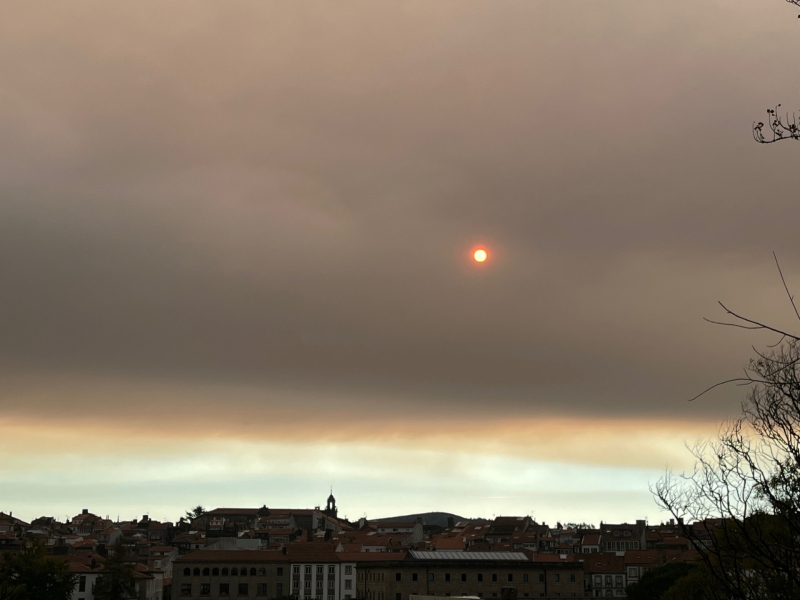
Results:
[236, 238]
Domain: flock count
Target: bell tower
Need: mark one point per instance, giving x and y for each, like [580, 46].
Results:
[330, 507]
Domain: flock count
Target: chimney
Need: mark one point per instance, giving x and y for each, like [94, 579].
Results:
[451, 522]
[85, 511]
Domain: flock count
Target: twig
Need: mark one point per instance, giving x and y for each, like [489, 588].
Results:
[791, 298]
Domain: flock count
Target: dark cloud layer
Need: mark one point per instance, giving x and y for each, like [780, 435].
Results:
[284, 195]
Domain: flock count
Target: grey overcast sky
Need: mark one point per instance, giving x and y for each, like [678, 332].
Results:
[238, 233]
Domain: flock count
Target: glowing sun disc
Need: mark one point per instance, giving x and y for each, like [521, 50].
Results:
[480, 255]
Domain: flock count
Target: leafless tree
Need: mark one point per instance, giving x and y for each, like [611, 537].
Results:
[741, 503]
[781, 125]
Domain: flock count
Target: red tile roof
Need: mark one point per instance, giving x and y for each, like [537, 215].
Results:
[371, 556]
[603, 562]
[233, 556]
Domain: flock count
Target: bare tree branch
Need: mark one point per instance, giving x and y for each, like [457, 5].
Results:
[777, 264]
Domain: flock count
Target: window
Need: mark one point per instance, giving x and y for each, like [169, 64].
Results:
[331, 584]
[319, 584]
[206, 572]
[348, 569]
[308, 570]
[252, 571]
[398, 596]
[82, 583]
[262, 571]
[398, 577]
[215, 571]
[447, 576]
[494, 576]
[430, 576]
[205, 589]
[243, 589]
[572, 577]
[196, 572]
[618, 581]
[307, 584]
[480, 576]
[187, 571]
[348, 584]
[296, 569]
[261, 589]
[234, 571]
[511, 577]
[296, 584]
[413, 577]
[331, 570]
[541, 577]
[331, 597]
[598, 581]
[319, 570]
[224, 571]
[186, 589]
[557, 577]
[608, 580]
[464, 578]
[279, 589]
[224, 589]
[280, 571]
[525, 578]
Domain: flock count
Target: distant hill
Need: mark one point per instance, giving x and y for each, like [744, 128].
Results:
[429, 518]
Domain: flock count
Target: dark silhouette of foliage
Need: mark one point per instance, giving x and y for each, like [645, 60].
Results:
[10, 591]
[696, 585]
[743, 495]
[656, 582]
[39, 576]
[117, 581]
[195, 513]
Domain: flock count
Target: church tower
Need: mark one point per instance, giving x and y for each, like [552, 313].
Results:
[330, 507]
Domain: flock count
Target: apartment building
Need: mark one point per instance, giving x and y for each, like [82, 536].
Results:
[481, 574]
[307, 571]
[605, 575]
